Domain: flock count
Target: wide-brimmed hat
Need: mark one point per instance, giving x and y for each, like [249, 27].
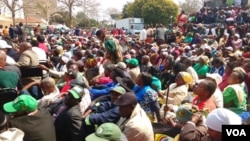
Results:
[126, 82]
[128, 98]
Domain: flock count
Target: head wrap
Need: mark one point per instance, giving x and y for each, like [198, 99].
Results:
[205, 59]
[110, 45]
[222, 116]
[91, 62]
[186, 77]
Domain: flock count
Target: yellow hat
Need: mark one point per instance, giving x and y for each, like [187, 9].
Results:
[186, 77]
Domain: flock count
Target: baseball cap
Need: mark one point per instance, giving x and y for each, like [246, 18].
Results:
[21, 103]
[106, 132]
[121, 65]
[132, 61]
[184, 112]
[77, 92]
[119, 90]
[72, 73]
[3, 44]
[126, 99]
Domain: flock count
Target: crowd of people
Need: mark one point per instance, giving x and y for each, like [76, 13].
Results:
[192, 76]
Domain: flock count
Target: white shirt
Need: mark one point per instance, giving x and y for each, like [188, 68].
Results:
[212, 31]
[193, 73]
[12, 134]
[218, 98]
[143, 35]
[40, 53]
[46, 100]
[86, 100]
[10, 60]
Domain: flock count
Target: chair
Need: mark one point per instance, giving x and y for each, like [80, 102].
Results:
[7, 95]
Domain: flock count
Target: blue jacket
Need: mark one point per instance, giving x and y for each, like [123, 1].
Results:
[104, 91]
[105, 112]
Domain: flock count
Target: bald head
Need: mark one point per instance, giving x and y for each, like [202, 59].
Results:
[48, 85]
[25, 46]
[2, 58]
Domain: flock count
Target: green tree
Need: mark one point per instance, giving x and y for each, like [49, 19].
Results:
[153, 11]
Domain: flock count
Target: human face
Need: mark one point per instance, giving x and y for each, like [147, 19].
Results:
[199, 88]
[70, 100]
[114, 96]
[139, 80]
[126, 111]
[233, 78]
[179, 80]
[214, 134]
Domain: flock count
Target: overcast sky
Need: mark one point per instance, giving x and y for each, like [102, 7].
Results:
[118, 4]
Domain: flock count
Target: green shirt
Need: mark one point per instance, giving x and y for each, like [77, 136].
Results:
[231, 101]
[156, 82]
[201, 70]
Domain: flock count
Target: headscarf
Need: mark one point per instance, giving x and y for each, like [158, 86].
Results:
[205, 59]
[186, 77]
[222, 116]
[91, 62]
[110, 46]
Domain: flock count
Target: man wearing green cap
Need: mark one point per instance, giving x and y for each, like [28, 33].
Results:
[107, 132]
[69, 117]
[102, 112]
[26, 117]
[134, 69]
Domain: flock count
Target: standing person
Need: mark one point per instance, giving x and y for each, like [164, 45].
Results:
[182, 20]
[12, 32]
[134, 122]
[21, 32]
[112, 46]
[143, 36]
[37, 124]
[160, 35]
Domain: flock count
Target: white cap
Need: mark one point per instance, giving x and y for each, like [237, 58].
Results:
[222, 116]
[230, 48]
[3, 44]
[237, 35]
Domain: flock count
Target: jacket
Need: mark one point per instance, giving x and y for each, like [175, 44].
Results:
[68, 124]
[138, 127]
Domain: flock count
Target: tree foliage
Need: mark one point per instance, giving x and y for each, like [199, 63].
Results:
[13, 6]
[153, 11]
[191, 6]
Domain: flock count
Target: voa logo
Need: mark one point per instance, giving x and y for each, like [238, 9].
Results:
[236, 132]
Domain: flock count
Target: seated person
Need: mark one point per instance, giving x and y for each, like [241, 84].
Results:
[134, 122]
[26, 116]
[9, 134]
[8, 79]
[50, 93]
[102, 112]
[234, 96]
[204, 91]
[68, 77]
[219, 117]
[107, 132]
[97, 91]
[190, 122]
[68, 116]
